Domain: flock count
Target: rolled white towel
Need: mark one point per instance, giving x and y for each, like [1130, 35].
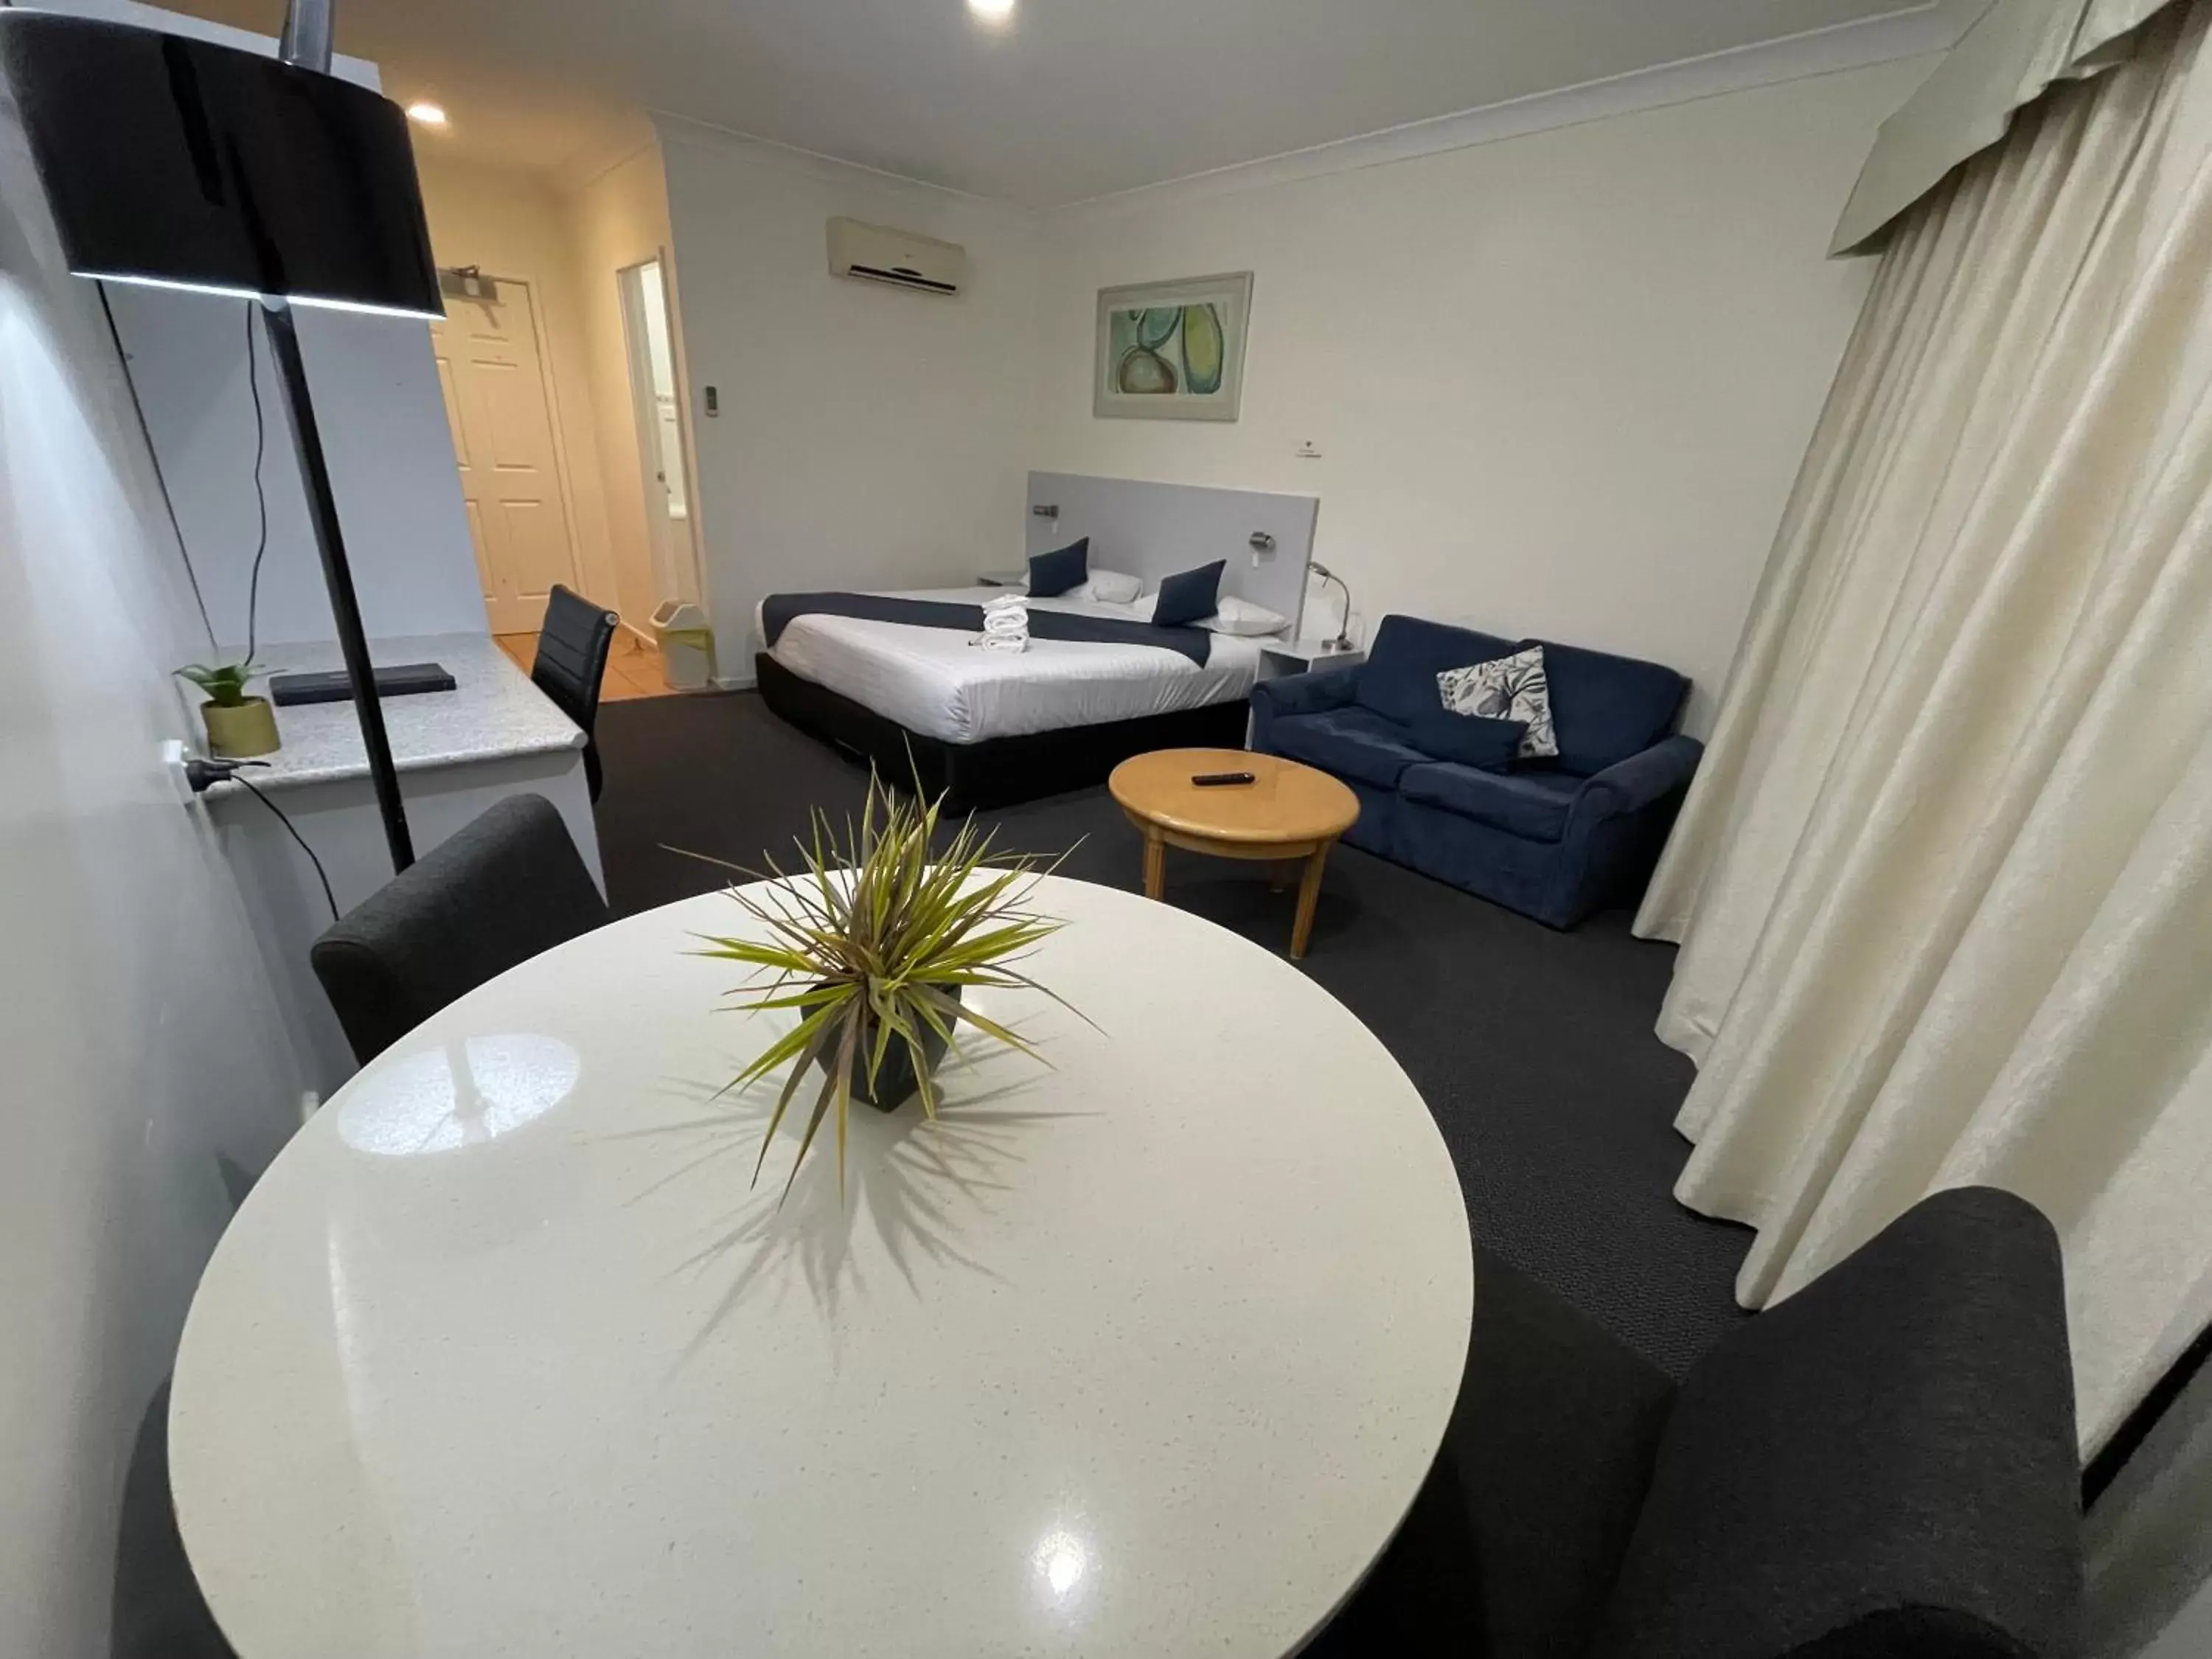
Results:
[1005, 624]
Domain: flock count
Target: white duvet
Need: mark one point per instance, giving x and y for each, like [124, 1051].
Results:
[934, 681]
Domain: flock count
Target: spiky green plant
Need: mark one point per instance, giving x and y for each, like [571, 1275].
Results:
[871, 942]
[225, 684]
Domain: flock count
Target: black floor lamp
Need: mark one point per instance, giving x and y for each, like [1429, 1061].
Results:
[175, 162]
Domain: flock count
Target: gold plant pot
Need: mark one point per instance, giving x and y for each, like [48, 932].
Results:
[240, 730]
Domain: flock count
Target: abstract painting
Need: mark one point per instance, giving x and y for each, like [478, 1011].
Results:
[1173, 351]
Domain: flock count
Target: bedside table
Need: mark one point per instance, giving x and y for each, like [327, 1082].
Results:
[1290, 657]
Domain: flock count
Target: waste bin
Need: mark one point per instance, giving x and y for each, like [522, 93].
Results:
[687, 646]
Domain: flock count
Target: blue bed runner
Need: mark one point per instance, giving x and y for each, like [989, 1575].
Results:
[778, 609]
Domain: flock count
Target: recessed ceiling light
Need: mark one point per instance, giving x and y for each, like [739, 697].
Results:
[992, 11]
[434, 115]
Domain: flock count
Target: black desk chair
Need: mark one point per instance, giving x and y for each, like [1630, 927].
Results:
[1883, 1465]
[572, 660]
[509, 886]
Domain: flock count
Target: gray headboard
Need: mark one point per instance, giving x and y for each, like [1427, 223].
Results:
[1154, 530]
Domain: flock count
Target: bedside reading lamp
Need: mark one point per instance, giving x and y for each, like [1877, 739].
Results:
[175, 162]
[1343, 640]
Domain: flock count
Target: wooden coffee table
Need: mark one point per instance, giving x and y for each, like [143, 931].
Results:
[1289, 812]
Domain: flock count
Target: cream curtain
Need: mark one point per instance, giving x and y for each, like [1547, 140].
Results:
[1944, 884]
[2015, 51]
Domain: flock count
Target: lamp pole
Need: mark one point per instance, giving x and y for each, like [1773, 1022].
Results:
[337, 577]
[306, 42]
[306, 45]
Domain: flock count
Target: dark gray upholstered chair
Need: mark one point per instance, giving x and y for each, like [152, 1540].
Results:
[509, 886]
[572, 660]
[1882, 1466]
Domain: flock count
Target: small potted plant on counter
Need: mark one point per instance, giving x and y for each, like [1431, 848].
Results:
[875, 945]
[237, 726]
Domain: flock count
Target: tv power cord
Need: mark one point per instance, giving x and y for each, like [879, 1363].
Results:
[204, 773]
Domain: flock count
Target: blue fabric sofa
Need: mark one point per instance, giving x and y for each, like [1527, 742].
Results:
[1553, 839]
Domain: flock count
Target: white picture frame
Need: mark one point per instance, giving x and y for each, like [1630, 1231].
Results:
[1172, 350]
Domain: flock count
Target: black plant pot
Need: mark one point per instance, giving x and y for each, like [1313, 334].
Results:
[896, 1083]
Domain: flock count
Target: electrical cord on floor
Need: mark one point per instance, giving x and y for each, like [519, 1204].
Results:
[203, 773]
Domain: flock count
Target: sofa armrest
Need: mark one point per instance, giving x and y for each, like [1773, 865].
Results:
[1631, 785]
[1307, 694]
[1618, 822]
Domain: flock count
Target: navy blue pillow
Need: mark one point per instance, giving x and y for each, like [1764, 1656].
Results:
[1053, 573]
[1189, 597]
[1487, 746]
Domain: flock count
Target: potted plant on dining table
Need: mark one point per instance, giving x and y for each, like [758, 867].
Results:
[876, 945]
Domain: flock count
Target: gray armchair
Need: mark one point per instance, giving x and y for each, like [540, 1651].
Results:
[1882, 1466]
[509, 886]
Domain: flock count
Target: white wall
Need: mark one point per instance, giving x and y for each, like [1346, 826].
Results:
[1561, 383]
[514, 226]
[620, 219]
[385, 436]
[143, 1049]
[384, 431]
[2190, 1635]
[2148, 1541]
[869, 435]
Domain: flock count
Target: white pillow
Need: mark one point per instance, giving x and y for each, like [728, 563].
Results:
[1113, 586]
[1512, 688]
[1231, 616]
[1243, 618]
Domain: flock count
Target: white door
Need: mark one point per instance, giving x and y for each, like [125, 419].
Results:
[502, 421]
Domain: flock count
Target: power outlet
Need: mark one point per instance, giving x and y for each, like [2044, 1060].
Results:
[173, 763]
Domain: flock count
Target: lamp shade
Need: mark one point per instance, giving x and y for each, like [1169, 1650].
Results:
[173, 161]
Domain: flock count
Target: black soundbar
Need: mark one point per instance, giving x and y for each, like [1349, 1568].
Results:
[404, 680]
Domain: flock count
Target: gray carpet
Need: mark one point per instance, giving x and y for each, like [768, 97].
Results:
[1533, 1048]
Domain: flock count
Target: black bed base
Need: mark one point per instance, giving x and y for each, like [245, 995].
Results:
[998, 771]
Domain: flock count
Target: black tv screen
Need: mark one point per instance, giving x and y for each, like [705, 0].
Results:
[171, 159]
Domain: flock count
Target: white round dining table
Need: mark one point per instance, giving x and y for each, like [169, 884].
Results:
[1142, 1351]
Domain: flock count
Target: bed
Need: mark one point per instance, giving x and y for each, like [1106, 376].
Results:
[987, 728]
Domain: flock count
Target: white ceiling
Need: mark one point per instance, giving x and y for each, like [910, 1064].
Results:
[1073, 99]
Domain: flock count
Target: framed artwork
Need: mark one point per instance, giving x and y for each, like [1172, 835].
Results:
[1172, 351]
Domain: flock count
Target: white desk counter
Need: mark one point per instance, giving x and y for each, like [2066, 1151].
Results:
[493, 713]
[459, 751]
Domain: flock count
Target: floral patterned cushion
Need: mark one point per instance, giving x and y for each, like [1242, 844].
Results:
[1506, 689]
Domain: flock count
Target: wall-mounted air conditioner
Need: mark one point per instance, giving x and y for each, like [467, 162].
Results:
[878, 253]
